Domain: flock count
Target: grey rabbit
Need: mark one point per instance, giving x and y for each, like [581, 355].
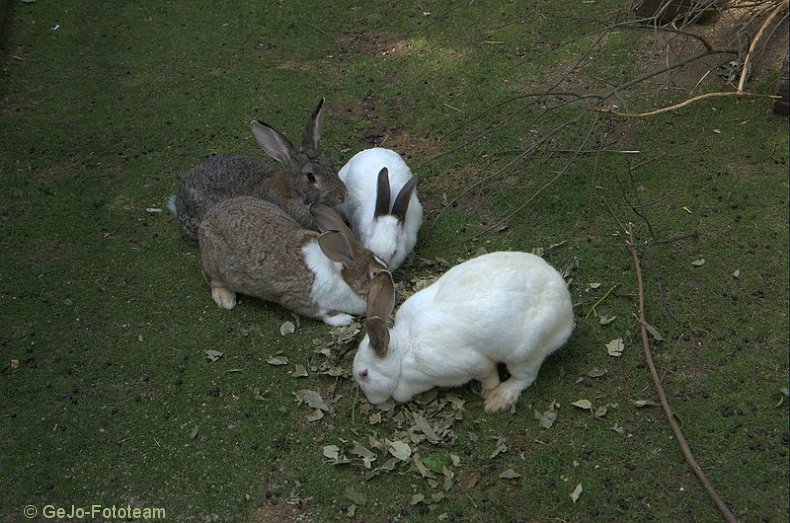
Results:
[308, 177]
[253, 247]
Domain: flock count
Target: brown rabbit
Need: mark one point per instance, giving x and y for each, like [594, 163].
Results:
[308, 177]
[251, 246]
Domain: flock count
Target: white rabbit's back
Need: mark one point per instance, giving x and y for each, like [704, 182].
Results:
[501, 305]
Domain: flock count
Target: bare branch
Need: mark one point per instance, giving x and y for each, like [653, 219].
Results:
[746, 62]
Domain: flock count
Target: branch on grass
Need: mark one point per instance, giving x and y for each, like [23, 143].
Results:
[782, 7]
[725, 511]
[737, 94]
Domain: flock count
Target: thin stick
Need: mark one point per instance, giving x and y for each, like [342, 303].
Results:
[725, 511]
[746, 62]
[681, 104]
[600, 301]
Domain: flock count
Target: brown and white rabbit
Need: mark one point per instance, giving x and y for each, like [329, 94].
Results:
[308, 177]
[503, 307]
[253, 247]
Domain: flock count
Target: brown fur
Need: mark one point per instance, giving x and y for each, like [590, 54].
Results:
[242, 254]
[253, 247]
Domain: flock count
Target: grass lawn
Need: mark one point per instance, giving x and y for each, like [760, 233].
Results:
[109, 398]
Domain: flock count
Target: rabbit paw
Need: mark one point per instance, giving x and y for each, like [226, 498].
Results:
[339, 319]
[223, 297]
[489, 383]
[502, 397]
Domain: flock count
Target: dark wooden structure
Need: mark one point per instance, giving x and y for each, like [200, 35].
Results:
[679, 11]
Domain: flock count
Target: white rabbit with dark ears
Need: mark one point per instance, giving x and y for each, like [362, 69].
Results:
[504, 307]
[385, 226]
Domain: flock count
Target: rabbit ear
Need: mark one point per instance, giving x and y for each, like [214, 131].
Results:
[381, 295]
[382, 194]
[327, 219]
[401, 204]
[311, 139]
[379, 335]
[337, 248]
[276, 145]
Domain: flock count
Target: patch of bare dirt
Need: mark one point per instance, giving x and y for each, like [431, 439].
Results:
[733, 27]
[280, 513]
[55, 172]
[370, 43]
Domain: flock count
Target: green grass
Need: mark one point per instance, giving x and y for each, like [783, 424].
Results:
[114, 402]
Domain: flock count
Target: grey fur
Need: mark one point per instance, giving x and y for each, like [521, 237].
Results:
[307, 178]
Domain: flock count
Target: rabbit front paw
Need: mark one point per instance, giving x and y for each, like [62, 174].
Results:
[339, 319]
[503, 397]
[224, 297]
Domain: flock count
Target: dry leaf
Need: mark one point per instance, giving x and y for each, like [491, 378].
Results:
[315, 416]
[645, 403]
[367, 455]
[576, 493]
[547, 419]
[615, 347]
[500, 448]
[652, 330]
[14, 364]
[509, 474]
[595, 372]
[312, 398]
[299, 371]
[606, 320]
[399, 449]
[582, 404]
[287, 328]
[736, 274]
[277, 360]
[213, 355]
[698, 263]
[417, 498]
[423, 426]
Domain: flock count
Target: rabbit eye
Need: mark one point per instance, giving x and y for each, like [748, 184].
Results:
[364, 374]
[310, 176]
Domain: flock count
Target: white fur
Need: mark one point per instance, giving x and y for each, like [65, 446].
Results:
[389, 240]
[505, 307]
[330, 292]
[171, 204]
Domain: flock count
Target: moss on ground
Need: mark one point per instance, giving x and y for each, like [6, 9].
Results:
[109, 398]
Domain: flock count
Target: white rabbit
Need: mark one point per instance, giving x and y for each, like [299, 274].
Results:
[386, 227]
[503, 307]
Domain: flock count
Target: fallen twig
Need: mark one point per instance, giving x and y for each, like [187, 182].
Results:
[684, 103]
[782, 7]
[725, 511]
